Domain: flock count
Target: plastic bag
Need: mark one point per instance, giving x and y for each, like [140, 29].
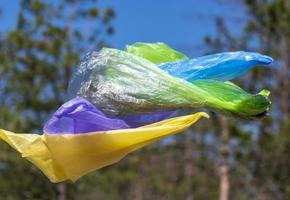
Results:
[120, 83]
[221, 66]
[80, 116]
[155, 52]
[69, 156]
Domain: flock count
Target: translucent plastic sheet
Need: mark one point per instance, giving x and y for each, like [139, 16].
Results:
[80, 116]
[221, 66]
[120, 83]
[155, 52]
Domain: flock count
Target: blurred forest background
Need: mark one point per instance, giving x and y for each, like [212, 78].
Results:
[221, 158]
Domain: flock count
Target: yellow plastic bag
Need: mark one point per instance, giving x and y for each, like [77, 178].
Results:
[70, 156]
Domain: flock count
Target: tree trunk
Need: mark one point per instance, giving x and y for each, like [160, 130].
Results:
[138, 189]
[224, 165]
[284, 77]
[61, 189]
[188, 164]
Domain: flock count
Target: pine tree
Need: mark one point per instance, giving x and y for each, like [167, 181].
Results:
[37, 58]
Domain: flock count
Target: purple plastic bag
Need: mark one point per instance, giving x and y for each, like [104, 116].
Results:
[80, 116]
[138, 120]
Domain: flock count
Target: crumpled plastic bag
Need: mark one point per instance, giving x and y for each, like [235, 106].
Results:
[223, 66]
[122, 84]
[219, 67]
[80, 116]
[69, 156]
[82, 137]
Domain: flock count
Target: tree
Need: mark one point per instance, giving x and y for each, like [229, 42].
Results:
[36, 63]
[270, 23]
[262, 159]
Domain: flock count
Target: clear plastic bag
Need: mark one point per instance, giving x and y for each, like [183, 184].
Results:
[120, 83]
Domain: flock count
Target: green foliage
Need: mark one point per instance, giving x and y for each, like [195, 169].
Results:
[39, 54]
[36, 61]
[260, 152]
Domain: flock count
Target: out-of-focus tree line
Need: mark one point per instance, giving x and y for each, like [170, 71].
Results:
[221, 158]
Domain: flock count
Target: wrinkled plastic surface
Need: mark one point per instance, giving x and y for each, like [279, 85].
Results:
[222, 97]
[221, 66]
[120, 83]
[228, 95]
[80, 116]
[155, 52]
[69, 156]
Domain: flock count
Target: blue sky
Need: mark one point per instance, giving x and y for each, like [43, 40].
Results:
[182, 24]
